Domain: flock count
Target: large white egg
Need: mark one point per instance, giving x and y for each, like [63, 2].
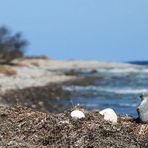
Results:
[77, 114]
[109, 115]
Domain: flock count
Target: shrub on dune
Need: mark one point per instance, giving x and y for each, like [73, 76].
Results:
[11, 46]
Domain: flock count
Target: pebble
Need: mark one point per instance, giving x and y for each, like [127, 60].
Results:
[109, 115]
[77, 114]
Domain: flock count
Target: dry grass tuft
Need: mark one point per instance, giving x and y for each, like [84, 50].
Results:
[7, 70]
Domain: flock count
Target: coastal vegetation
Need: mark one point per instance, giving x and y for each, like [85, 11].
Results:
[12, 46]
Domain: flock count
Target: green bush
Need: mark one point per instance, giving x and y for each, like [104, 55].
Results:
[11, 46]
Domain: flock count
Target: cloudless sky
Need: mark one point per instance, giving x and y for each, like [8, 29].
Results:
[109, 30]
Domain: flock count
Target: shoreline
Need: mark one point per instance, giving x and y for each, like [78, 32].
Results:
[28, 118]
[34, 78]
[40, 72]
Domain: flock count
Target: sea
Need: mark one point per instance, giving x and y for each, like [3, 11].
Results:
[116, 88]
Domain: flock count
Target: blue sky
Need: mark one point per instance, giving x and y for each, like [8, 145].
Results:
[108, 30]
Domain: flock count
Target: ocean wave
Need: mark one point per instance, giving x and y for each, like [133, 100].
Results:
[98, 105]
[117, 90]
[128, 105]
[123, 70]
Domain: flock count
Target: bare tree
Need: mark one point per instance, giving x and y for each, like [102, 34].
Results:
[11, 46]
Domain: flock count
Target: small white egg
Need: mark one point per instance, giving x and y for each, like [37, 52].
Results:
[109, 115]
[77, 114]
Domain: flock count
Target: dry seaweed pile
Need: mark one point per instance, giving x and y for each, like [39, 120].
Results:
[23, 127]
[43, 98]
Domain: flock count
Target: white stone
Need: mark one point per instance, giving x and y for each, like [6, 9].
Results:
[109, 115]
[77, 114]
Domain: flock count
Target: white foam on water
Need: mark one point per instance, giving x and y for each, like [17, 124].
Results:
[144, 70]
[90, 105]
[118, 70]
[95, 105]
[128, 105]
[117, 90]
[123, 90]
[124, 70]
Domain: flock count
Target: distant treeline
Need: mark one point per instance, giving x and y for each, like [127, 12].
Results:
[12, 46]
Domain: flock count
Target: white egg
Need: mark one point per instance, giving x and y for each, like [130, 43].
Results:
[109, 115]
[77, 114]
